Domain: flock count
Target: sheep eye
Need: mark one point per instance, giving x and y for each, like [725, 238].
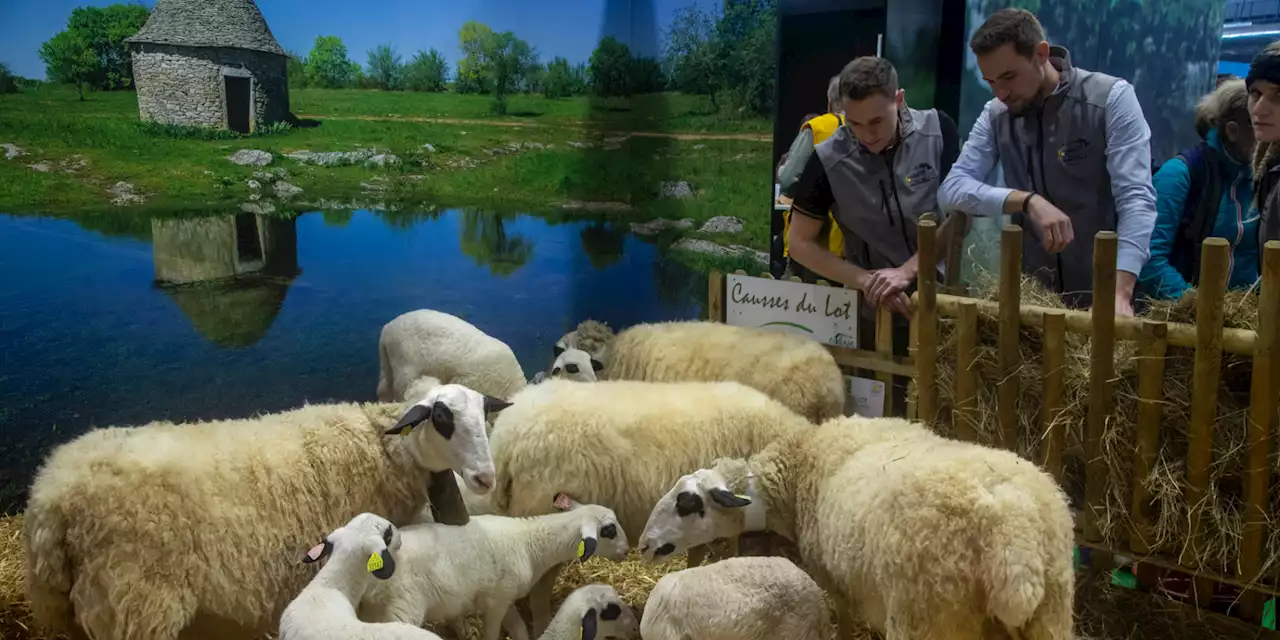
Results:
[609, 531]
[386, 535]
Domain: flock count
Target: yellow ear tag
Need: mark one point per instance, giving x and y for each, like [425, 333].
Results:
[582, 548]
[740, 496]
[407, 430]
[375, 562]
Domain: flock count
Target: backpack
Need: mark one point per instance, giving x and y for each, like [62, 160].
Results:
[1199, 212]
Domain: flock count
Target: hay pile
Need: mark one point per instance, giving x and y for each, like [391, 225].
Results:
[1223, 516]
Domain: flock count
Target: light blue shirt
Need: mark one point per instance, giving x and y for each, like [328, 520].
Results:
[1128, 164]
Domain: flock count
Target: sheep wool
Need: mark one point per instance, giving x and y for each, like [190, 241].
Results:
[362, 551]
[429, 343]
[133, 533]
[591, 336]
[592, 612]
[795, 370]
[446, 573]
[748, 598]
[926, 536]
[621, 444]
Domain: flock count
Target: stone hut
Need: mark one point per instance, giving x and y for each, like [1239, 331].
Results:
[211, 63]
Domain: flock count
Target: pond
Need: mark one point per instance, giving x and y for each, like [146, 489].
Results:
[230, 315]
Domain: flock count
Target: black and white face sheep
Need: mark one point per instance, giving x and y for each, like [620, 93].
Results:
[593, 612]
[452, 418]
[698, 510]
[577, 365]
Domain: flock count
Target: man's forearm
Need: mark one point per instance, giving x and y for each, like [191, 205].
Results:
[826, 264]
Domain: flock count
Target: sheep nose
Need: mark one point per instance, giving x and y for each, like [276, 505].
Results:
[483, 480]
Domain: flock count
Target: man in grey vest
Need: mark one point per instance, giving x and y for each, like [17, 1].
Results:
[1075, 151]
[877, 174]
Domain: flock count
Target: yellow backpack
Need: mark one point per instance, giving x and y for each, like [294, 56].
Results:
[823, 127]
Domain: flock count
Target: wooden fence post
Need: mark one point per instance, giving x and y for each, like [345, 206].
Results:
[1010, 328]
[927, 322]
[1214, 256]
[1262, 408]
[1101, 370]
[1151, 352]
[715, 296]
[884, 347]
[1053, 369]
[964, 418]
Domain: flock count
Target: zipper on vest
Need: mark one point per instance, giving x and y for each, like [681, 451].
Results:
[893, 185]
[884, 203]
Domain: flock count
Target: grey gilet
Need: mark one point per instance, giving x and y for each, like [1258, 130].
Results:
[879, 196]
[1058, 150]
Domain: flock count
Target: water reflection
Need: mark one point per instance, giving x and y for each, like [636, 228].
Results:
[120, 320]
[228, 274]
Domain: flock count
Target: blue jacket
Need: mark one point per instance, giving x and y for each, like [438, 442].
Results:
[1237, 221]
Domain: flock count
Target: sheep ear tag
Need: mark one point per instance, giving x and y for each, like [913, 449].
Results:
[374, 563]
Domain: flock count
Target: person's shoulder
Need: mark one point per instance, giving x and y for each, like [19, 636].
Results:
[993, 108]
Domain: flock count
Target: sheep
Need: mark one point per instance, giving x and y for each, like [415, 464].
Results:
[925, 536]
[749, 598]
[428, 343]
[621, 444]
[592, 611]
[576, 365]
[489, 563]
[591, 336]
[140, 532]
[797, 371]
[362, 550]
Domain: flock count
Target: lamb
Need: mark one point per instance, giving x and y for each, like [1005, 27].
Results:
[428, 343]
[592, 611]
[749, 598]
[576, 365]
[139, 532]
[928, 537]
[489, 563]
[326, 609]
[795, 370]
[621, 444]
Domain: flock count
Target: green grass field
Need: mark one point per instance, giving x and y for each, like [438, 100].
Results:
[726, 161]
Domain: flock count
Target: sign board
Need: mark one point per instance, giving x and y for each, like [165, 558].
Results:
[866, 396]
[826, 314]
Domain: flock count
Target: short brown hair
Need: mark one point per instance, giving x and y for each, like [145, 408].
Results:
[1017, 27]
[868, 75]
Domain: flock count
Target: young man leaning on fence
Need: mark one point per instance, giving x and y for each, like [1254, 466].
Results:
[1074, 148]
[876, 175]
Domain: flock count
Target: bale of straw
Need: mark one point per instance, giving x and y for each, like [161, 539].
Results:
[1223, 514]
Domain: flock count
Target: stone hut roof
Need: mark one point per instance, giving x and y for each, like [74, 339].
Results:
[208, 23]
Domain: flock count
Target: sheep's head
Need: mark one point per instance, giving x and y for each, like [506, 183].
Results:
[604, 614]
[699, 509]
[368, 536]
[602, 535]
[447, 428]
[577, 365]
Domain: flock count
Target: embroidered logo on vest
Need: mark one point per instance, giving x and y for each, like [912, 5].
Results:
[923, 173]
[1074, 152]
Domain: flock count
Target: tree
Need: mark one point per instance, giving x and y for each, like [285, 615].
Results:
[472, 76]
[426, 72]
[745, 39]
[69, 58]
[506, 61]
[386, 71]
[296, 69]
[610, 68]
[327, 66]
[8, 82]
[646, 76]
[690, 53]
[558, 81]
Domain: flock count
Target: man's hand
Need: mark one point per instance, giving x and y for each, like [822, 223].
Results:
[886, 286]
[1054, 225]
[1125, 282]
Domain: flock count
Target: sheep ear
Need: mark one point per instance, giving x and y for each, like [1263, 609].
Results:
[381, 564]
[563, 502]
[596, 365]
[559, 349]
[492, 404]
[589, 624]
[729, 499]
[317, 552]
[442, 419]
[611, 612]
[412, 418]
[586, 548]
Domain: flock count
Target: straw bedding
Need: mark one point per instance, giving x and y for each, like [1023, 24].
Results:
[1103, 613]
[1222, 519]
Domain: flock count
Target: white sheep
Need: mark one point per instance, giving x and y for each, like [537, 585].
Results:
[591, 336]
[795, 370]
[924, 536]
[748, 598]
[448, 572]
[621, 444]
[576, 365]
[429, 343]
[139, 532]
[592, 612]
[360, 552]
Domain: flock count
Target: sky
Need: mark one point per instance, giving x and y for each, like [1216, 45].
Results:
[567, 28]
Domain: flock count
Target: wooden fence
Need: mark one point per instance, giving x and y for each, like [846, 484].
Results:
[1207, 337]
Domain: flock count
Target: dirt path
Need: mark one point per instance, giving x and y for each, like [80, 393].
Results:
[573, 124]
